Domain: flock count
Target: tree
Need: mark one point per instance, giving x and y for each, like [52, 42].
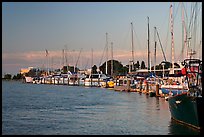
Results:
[143, 65]
[117, 68]
[7, 76]
[18, 76]
[94, 69]
[31, 73]
[137, 65]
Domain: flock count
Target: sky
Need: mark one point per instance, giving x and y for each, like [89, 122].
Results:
[31, 28]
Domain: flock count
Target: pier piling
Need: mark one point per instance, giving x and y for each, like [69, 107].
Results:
[157, 90]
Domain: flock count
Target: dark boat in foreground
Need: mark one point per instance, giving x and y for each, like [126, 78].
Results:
[188, 108]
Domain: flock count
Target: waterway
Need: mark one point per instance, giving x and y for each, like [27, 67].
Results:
[42, 109]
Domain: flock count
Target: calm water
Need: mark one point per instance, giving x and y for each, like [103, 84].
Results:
[33, 109]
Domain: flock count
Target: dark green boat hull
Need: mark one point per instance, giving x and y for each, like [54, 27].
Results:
[187, 110]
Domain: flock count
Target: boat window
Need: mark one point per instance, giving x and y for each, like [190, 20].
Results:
[94, 76]
[120, 82]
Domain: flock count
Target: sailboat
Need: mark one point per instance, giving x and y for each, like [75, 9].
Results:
[187, 107]
[176, 83]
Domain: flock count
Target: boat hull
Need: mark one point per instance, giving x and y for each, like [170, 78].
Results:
[28, 79]
[187, 110]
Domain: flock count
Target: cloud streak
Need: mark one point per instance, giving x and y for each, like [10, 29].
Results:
[15, 61]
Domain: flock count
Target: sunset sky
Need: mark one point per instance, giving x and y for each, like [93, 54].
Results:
[30, 28]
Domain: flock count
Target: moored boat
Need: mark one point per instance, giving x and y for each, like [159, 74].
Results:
[96, 80]
[28, 79]
[187, 108]
[124, 84]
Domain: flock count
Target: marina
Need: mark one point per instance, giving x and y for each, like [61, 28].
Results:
[103, 81]
[152, 86]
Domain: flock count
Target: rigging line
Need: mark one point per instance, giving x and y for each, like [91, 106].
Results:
[127, 36]
[192, 14]
[175, 13]
[165, 19]
[185, 13]
[132, 42]
[167, 36]
[195, 27]
[160, 44]
[183, 31]
[186, 19]
[139, 45]
[192, 24]
[136, 37]
[201, 28]
[86, 64]
[102, 55]
[78, 57]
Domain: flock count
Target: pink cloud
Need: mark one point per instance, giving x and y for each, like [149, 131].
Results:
[19, 60]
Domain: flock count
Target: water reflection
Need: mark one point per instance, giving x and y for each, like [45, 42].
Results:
[176, 128]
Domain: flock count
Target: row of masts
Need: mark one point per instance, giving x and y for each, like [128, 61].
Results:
[131, 62]
[107, 56]
[189, 53]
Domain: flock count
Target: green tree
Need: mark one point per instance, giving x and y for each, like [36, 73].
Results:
[143, 65]
[137, 65]
[117, 68]
[94, 69]
[31, 73]
[18, 76]
[7, 76]
[72, 69]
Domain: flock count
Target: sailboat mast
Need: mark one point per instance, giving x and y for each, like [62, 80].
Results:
[47, 61]
[184, 36]
[67, 65]
[51, 64]
[172, 38]
[62, 57]
[132, 47]
[148, 46]
[106, 53]
[91, 58]
[111, 58]
[155, 42]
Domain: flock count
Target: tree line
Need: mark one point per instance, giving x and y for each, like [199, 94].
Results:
[15, 77]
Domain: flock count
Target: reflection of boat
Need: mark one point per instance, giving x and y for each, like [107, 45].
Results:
[179, 129]
[187, 108]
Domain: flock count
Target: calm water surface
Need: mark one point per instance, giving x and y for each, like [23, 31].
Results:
[34, 109]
